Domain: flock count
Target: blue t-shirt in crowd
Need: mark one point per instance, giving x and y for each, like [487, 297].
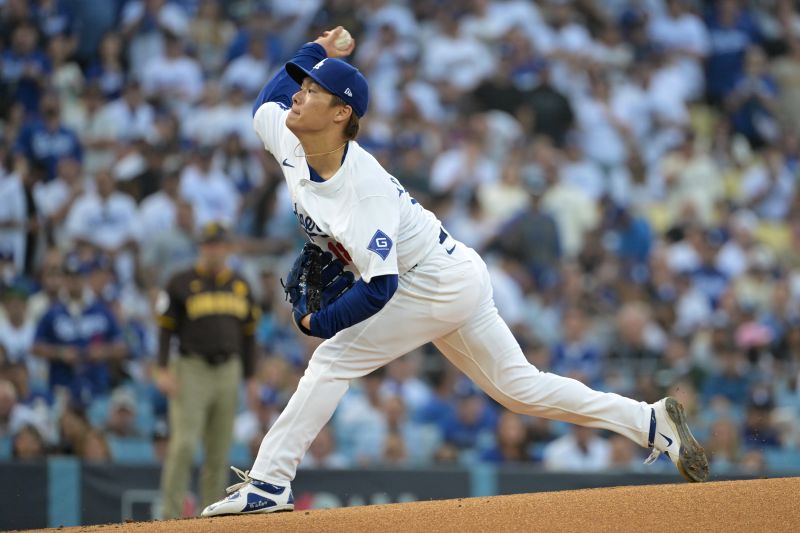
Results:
[95, 323]
[45, 147]
[13, 71]
[462, 434]
[728, 46]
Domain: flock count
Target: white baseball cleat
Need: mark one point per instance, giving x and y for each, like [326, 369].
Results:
[252, 496]
[669, 434]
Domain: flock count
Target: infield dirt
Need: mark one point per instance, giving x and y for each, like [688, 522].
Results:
[753, 505]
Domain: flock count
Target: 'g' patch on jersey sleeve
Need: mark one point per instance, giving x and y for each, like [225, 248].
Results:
[371, 237]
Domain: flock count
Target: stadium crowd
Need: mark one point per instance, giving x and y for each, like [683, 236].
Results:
[628, 168]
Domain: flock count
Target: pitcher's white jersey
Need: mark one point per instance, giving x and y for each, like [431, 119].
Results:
[362, 214]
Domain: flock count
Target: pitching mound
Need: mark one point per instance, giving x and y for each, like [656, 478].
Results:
[756, 505]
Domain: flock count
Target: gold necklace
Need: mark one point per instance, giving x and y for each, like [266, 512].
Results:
[319, 154]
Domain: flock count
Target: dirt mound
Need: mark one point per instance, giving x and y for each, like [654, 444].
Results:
[755, 505]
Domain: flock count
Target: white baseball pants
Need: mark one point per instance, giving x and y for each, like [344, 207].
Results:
[447, 300]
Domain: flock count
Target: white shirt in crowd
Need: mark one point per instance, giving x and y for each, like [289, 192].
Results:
[49, 198]
[157, 214]
[684, 33]
[13, 209]
[105, 223]
[600, 139]
[463, 61]
[211, 194]
[565, 454]
[453, 170]
[180, 77]
[129, 123]
[247, 72]
[146, 45]
[778, 200]
[16, 342]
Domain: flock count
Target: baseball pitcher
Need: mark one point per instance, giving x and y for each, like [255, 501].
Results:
[380, 277]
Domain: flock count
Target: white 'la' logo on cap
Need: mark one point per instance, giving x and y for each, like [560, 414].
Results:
[319, 65]
[348, 92]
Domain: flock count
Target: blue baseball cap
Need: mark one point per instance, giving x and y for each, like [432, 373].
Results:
[337, 77]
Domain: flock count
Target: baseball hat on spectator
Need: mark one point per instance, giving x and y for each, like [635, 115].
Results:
[123, 399]
[337, 77]
[214, 232]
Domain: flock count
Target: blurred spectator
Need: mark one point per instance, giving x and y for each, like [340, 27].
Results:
[16, 328]
[210, 192]
[768, 188]
[248, 71]
[693, 180]
[158, 212]
[174, 78]
[240, 165]
[107, 72]
[759, 431]
[172, 249]
[532, 225]
[624, 454]
[66, 78]
[723, 445]
[80, 338]
[579, 450]
[107, 220]
[93, 447]
[402, 380]
[130, 114]
[50, 282]
[752, 102]
[684, 36]
[510, 441]
[732, 258]
[576, 356]
[145, 26]
[322, 453]
[25, 67]
[210, 33]
[474, 419]
[359, 423]
[731, 30]
[453, 57]
[730, 379]
[121, 417]
[95, 129]
[44, 141]
[13, 414]
[13, 211]
[256, 420]
[462, 169]
[28, 444]
[72, 426]
[639, 341]
[54, 199]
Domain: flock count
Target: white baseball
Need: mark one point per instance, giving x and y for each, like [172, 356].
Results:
[343, 41]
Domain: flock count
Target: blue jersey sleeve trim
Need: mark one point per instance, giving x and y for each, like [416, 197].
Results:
[359, 303]
[281, 87]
